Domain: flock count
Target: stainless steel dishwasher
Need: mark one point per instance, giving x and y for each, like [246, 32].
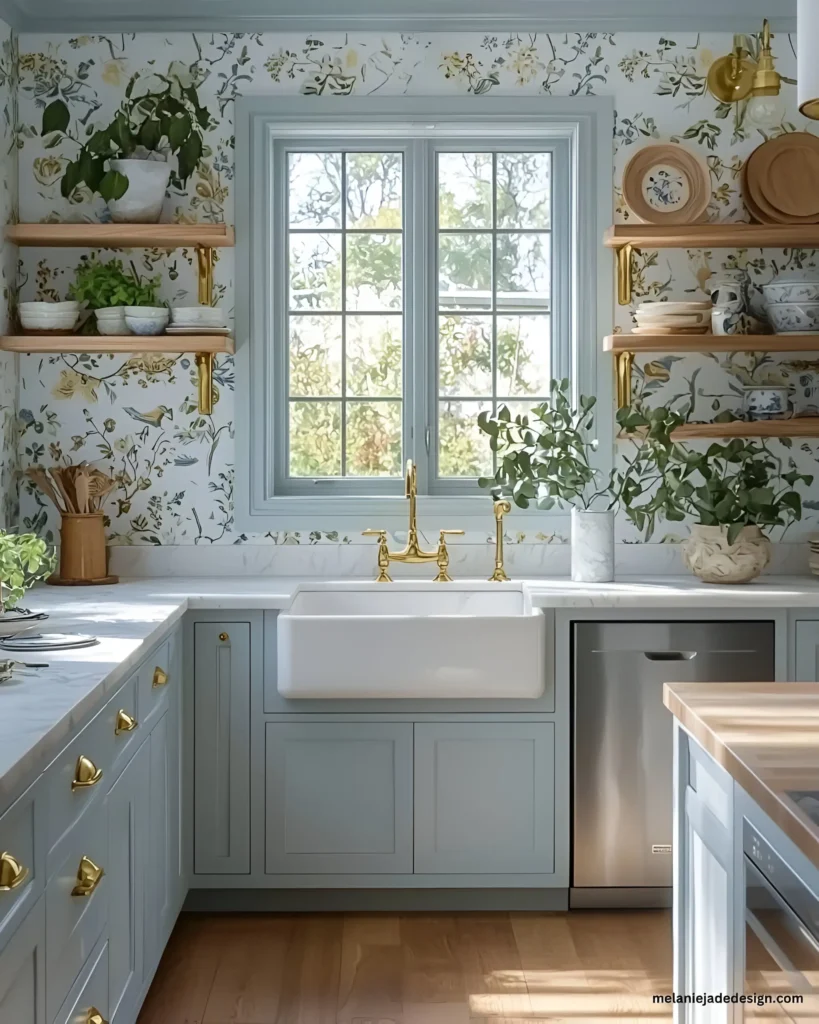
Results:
[622, 752]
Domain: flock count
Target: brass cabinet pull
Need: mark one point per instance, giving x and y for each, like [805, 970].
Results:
[86, 773]
[160, 677]
[95, 1017]
[224, 637]
[12, 872]
[125, 723]
[89, 877]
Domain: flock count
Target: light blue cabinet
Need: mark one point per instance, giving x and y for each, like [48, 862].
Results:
[484, 798]
[22, 971]
[807, 651]
[221, 787]
[338, 797]
[128, 838]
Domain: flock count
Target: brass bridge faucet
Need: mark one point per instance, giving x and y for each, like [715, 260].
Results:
[413, 553]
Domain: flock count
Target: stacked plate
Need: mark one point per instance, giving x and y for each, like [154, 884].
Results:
[673, 318]
[780, 180]
[197, 320]
[47, 642]
[813, 557]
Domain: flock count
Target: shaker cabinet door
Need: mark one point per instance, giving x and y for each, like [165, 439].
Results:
[807, 651]
[22, 971]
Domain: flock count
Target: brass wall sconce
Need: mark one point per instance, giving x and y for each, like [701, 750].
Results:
[737, 77]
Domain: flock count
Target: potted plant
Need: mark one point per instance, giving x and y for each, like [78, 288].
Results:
[733, 491]
[126, 162]
[107, 288]
[24, 559]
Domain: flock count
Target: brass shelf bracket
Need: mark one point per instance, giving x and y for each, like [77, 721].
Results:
[624, 268]
[205, 257]
[204, 364]
[623, 362]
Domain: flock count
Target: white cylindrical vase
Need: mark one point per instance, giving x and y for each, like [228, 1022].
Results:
[807, 66]
[592, 546]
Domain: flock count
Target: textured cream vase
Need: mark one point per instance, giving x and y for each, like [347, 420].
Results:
[709, 556]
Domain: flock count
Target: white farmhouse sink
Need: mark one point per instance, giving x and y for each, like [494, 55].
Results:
[411, 640]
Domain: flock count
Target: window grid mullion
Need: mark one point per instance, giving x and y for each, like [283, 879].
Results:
[344, 314]
[494, 296]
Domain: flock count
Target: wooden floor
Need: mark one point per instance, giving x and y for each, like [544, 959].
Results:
[586, 967]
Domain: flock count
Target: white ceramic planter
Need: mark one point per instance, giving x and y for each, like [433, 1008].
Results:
[712, 559]
[592, 546]
[143, 199]
[111, 320]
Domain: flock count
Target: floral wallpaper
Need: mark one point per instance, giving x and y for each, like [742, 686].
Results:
[8, 275]
[139, 414]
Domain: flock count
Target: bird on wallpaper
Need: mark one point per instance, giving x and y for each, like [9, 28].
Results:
[153, 418]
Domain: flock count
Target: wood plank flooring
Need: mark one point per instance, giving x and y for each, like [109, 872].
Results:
[586, 967]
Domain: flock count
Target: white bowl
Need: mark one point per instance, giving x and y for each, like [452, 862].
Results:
[146, 324]
[49, 307]
[669, 308]
[113, 325]
[109, 312]
[194, 316]
[148, 312]
[794, 317]
[49, 321]
[791, 289]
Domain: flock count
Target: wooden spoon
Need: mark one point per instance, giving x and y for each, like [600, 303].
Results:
[38, 475]
[57, 477]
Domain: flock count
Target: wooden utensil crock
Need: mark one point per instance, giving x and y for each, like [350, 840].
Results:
[83, 558]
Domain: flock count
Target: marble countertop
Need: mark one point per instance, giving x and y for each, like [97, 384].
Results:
[765, 736]
[40, 710]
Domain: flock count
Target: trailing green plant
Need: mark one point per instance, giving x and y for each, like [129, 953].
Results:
[24, 559]
[168, 119]
[99, 285]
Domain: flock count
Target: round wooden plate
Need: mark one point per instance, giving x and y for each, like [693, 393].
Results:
[667, 184]
[782, 176]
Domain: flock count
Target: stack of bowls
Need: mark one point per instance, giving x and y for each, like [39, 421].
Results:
[673, 318]
[813, 558]
[49, 317]
[209, 319]
[792, 304]
[146, 320]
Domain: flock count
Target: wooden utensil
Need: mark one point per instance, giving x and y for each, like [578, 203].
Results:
[82, 488]
[40, 478]
[57, 477]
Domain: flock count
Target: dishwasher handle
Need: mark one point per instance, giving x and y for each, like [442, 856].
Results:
[670, 655]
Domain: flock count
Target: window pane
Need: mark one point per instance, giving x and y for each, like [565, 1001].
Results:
[374, 190]
[373, 271]
[465, 271]
[315, 271]
[524, 190]
[315, 438]
[524, 355]
[465, 355]
[374, 439]
[465, 190]
[374, 356]
[463, 450]
[315, 190]
[524, 271]
[315, 356]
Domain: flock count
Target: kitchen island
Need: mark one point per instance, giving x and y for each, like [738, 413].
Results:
[746, 851]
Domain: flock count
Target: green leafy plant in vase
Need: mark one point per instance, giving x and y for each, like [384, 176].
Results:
[24, 559]
[107, 288]
[126, 162]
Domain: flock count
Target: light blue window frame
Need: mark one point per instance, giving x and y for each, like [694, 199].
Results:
[578, 133]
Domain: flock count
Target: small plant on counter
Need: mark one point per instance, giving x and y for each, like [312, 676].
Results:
[99, 285]
[24, 559]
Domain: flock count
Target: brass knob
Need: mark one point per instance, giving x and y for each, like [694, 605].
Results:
[12, 872]
[160, 678]
[224, 637]
[86, 774]
[125, 723]
[89, 876]
[95, 1017]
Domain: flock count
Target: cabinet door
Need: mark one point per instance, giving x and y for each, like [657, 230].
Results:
[221, 784]
[163, 844]
[178, 867]
[807, 652]
[484, 798]
[128, 837]
[22, 971]
[338, 798]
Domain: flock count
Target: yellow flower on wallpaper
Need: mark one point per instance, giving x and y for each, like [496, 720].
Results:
[115, 72]
[47, 169]
[351, 59]
[72, 383]
[656, 371]
[526, 64]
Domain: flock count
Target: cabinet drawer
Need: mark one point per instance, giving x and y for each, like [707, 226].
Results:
[122, 722]
[22, 971]
[22, 859]
[154, 682]
[78, 778]
[75, 921]
[90, 994]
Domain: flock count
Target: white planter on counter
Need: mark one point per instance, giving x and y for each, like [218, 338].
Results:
[592, 546]
[143, 199]
[710, 557]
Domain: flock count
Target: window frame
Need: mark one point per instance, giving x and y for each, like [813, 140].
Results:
[578, 129]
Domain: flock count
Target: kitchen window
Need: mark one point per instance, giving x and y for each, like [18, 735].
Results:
[402, 275]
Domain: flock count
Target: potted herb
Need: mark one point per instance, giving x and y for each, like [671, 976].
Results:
[733, 491]
[24, 559]
[126, 162]
[107, 288]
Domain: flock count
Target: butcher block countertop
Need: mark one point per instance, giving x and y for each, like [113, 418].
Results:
[766, 736]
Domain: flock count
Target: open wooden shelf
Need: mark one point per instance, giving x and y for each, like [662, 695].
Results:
[122, 236]
[711, 343]
[55, 343]
[807, 426]
[713, 236]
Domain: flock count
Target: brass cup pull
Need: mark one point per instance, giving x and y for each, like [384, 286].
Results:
[12, 872]
[160, 678]
[125, 723]
[86, 774]
[89, 877]
[95, 1017]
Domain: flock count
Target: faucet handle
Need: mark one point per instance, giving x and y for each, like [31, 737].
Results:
[454, 533]
[383, 554]
[374, 533]
[443, 556]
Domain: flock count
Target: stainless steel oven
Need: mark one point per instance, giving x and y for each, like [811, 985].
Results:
[781, 934]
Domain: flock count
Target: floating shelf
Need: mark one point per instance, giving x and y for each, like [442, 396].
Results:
[807, 426]
[122, 236]
[711, 343]
[36, 344]
[713, 236]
